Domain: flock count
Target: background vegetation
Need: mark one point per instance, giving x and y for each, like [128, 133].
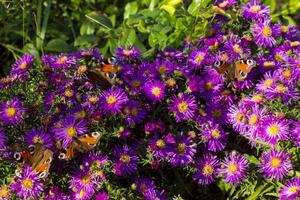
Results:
[51, 26]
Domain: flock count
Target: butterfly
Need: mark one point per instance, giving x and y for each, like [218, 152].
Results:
[37, 156]
[103, 74]
[238, 70]
[81, 144]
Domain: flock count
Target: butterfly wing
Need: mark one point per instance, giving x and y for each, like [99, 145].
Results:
[41, 160]
[22, 154]
[225, 70]
[104, 75]
[242, 68]
[87, 142]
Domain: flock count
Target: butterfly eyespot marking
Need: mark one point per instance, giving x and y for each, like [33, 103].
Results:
[217, 63]
[250, 62]
[43, 174]
[95, 134]
[31, 149]
[111, 75]
[17, 155]
[243, 74]
[62, 156]
[48, 161]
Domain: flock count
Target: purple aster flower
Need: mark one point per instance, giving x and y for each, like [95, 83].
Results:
[129, 53]
[95, 163]
[155, 127]
[20, 68]
[113, 100]
[235, 48]
[275, 164]
[155, 90]
[237, 118]
[5, 193]
[225, 4]
[198, 58]
[295, 130]
[88, 54]
[3, 139]
[55, 193]
[164, 67]
[58, 61]
[144, 185]
[265, 33]
[206, 169]
[125, 160]
[12, 112]
[213, 136]
[69, 128]
[26, 184]
[102, 196]
[133, 113]
[272, 129]
[291, 190]
[161, 146]
[35, 136]
[183, 107]
[255, 10]
[83, 185]
[184, 151]
[234, 168]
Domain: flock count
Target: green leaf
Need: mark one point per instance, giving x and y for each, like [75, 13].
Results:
[128, 37]
[169, 8]
[252, 159]
[130, 8]
[289, 20]
[195, 6]
[99, 19]
[85, 40]
[271, 3]
[58, 45]
[87, 28]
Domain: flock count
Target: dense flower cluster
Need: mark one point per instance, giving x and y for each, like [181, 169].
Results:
[182, 110]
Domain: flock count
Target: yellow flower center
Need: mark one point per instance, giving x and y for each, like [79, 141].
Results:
[171, 82]
[284, 29]
[281, 88]
[181, 148]
[217, 113]
[127, 52]
[27, 183]
[81, 193]
[267, 31]
[215, 133]
[69, 93]
[136, 83]
[182, 107]
[295, 43]
[208, 170]
[273, 129]
[267, 83]
[62, 59]
[232, 168]
[223, 4]
[156, 91]
[39, 140]
[199, 58]
[208, 85]
[3, 192]
[257, 98]
[237, 49]
[293, 189]
[111, 100]
[81, 114]
[253, 119]
[255, 8]
[275, 162]
[11, 112]
[239, 117]
[86, 180]
[287, 74]
[143, 187]
[71, 131]
[269, 64]
[23, 65]
[278, 57]
[134, 112]
[82, 69]
[125, 158]
[93, 99]
[162, 69]
[160, 144]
